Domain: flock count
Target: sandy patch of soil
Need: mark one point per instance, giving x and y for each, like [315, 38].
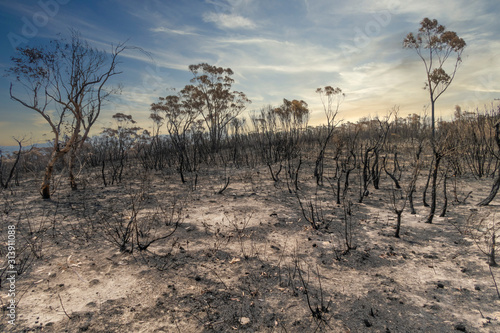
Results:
[246, 261]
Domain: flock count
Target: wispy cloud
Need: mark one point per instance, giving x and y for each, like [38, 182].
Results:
[255, 40]
[173, 31]
[229, 21]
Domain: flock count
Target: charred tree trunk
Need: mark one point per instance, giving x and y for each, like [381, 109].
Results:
[437, 158]
[338, 188]
[410, 201]
[274, 175]
[181, 168]
[71, 165]
[296, 176]
[393, 177]
[491, 257]
[494, 190]
[445, 197]
[103, 172]
[398, 223]
[376, 171]
[496, 184]
[426, 187]
[319, 165]
[13, 168]
[365, 175]
[49, 169]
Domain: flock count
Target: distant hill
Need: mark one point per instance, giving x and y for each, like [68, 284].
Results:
[7, 150]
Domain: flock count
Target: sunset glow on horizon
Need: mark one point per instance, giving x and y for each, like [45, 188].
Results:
[276, 49]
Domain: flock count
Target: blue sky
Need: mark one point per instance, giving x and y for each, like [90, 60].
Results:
[277, 49]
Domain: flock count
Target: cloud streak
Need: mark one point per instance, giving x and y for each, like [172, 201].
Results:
[229, 21]
[174, 31]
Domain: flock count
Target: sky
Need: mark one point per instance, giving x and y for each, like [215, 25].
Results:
[277, 49]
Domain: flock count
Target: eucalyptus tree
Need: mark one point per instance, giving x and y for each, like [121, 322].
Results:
[66, 83]
[331, 98]
[293, 117]
[118, 144]
[180, 115]
[212, 96]
[270, 140]
[434, 45]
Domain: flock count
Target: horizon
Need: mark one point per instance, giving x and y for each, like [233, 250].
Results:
[277, 50]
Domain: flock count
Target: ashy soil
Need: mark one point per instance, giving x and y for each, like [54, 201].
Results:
[245, 260]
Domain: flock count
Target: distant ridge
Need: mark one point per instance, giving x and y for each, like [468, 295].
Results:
[7, 150]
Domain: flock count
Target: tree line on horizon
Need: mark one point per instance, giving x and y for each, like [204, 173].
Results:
[203, 120]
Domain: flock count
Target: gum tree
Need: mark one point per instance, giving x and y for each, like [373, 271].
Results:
[331, 98]
[293, 117]
[180, 118]
[434, 45]
[212, 96]
[65, 83]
